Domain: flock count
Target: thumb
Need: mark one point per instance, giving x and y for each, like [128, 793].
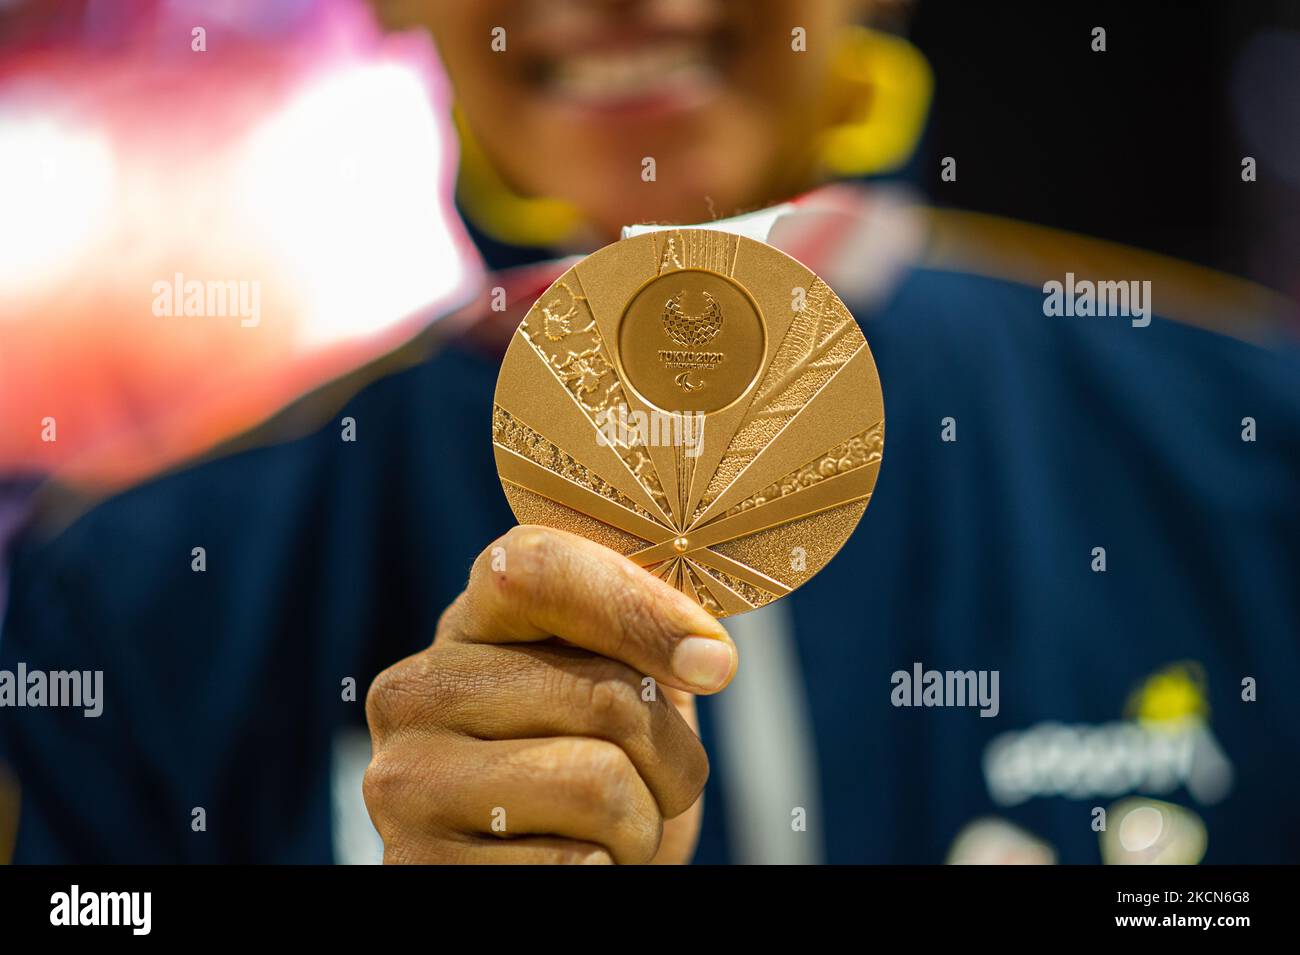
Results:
[685, 701]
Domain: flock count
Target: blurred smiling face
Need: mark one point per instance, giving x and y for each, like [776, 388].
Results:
[585, 89]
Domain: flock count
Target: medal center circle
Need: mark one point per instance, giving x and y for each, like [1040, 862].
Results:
[691, 341]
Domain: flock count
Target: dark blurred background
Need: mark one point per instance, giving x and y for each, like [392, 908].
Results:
[1141, 144]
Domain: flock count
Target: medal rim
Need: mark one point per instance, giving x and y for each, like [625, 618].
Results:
[873, 386]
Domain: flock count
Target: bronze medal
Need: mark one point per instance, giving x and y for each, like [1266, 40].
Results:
[699, 402]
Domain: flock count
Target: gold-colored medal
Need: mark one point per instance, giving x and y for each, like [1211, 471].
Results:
[700, 402]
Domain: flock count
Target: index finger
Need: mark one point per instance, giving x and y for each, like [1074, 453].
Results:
[536, 583]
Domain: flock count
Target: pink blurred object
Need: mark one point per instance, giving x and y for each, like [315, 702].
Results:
[190, 239]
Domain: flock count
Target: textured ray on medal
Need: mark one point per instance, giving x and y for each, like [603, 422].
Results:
[557, 380]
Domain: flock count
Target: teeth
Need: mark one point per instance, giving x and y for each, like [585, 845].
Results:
[612, 75]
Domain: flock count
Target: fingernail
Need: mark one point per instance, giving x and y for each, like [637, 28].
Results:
[703, 663]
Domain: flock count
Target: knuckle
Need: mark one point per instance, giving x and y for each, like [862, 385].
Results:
[604, 787]
[592, 779]
[579, 854]
[530, 549]
[615, 703]
[531, 558]
[422, 689]
[650, 838]
[451, 618]
[379, 700]
[395, 788]
[599, 784]
[694, 770]
[610, 696]
[640, 619]
[697, 768]
[381, 789]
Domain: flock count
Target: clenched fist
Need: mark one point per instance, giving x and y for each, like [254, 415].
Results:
[529, 732]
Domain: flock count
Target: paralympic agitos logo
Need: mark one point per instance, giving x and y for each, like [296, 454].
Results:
[690, 330]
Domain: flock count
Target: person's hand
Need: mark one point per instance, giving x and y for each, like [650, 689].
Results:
[552, 719]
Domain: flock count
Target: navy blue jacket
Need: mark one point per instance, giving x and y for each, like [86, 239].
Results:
[328, 560]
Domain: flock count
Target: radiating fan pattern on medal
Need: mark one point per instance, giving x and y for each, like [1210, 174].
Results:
[858, 451]
[577, 356]
[780, 478]
[518, 437]
[822, 337]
